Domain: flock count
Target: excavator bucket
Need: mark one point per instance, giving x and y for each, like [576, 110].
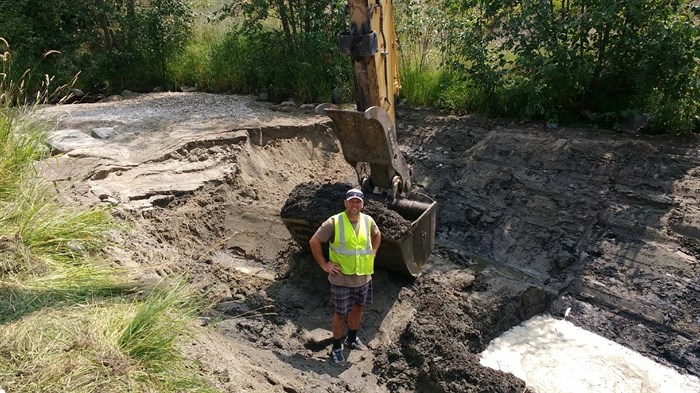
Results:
[406, 254]
[369, 137]
[409, 254]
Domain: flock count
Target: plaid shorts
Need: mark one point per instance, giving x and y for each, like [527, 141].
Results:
[344, 298]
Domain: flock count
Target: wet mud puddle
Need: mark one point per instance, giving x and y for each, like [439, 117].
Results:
[553, 355]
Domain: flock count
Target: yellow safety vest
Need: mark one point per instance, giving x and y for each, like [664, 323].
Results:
[353, 252]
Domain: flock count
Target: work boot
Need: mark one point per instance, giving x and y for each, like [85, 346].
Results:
[337, 358]
[356, 345]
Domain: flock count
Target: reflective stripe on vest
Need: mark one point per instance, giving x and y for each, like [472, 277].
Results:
[352, 251]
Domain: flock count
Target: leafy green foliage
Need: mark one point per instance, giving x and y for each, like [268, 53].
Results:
[35, 27]
[166, 24]
[417, 27]
[288, 52]
[601, 60]
[555, 59]
[112, 42]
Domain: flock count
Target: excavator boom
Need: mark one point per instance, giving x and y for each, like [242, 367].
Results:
[368, 135]
[371, 44]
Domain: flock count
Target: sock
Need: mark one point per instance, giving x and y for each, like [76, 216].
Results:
[336, 343]
[352, 336]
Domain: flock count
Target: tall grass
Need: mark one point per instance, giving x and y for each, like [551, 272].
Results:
[17, 151]
[194, 66]
[149, 336]
[236, 61]
[109, 346]
[68, 321]
[421, 87]
[51, 230]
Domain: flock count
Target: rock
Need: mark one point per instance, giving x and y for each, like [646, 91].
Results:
[310, 108]
[315, 339]
[129, 94]
[63, 141]
[249, 193]
[635, 123]
[288, 103]
[264, 96]
[112, 98]
[102, 132]
[100, 192]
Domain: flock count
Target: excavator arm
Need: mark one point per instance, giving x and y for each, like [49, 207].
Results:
[371, 44]
[368, 135]
[368, 138]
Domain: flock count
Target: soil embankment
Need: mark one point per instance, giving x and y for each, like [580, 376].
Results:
[530, 221]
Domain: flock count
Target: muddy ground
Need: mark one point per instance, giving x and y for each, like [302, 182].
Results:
[530, 220]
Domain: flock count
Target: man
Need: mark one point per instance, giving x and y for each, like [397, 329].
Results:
[354, 240]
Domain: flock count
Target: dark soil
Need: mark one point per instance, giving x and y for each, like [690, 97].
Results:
[590, 218]
[530, 220]
[316, 202]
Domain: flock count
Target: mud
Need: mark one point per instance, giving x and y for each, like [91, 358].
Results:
[530, 220]
[315, 202]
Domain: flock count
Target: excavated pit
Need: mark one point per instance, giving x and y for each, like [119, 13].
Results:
[531, 221]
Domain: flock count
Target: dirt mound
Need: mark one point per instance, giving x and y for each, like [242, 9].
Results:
[316, 202]
[438, 349]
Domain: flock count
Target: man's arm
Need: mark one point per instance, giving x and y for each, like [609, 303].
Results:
[317, 252]
[376, 241]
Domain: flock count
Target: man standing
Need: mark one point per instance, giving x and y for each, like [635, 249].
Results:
[354, 240]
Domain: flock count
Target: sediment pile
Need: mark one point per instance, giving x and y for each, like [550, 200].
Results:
[315, 202]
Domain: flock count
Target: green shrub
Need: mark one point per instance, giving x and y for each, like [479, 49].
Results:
[241, 61]
[112, 44]
[557, 59]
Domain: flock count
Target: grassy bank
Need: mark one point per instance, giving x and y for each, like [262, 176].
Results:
[68, 321]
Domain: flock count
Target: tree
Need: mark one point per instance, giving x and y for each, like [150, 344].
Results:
[604, 57]
[293, 44]
[117, 40]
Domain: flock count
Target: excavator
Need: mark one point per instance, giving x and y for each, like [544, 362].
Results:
[368, 140]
